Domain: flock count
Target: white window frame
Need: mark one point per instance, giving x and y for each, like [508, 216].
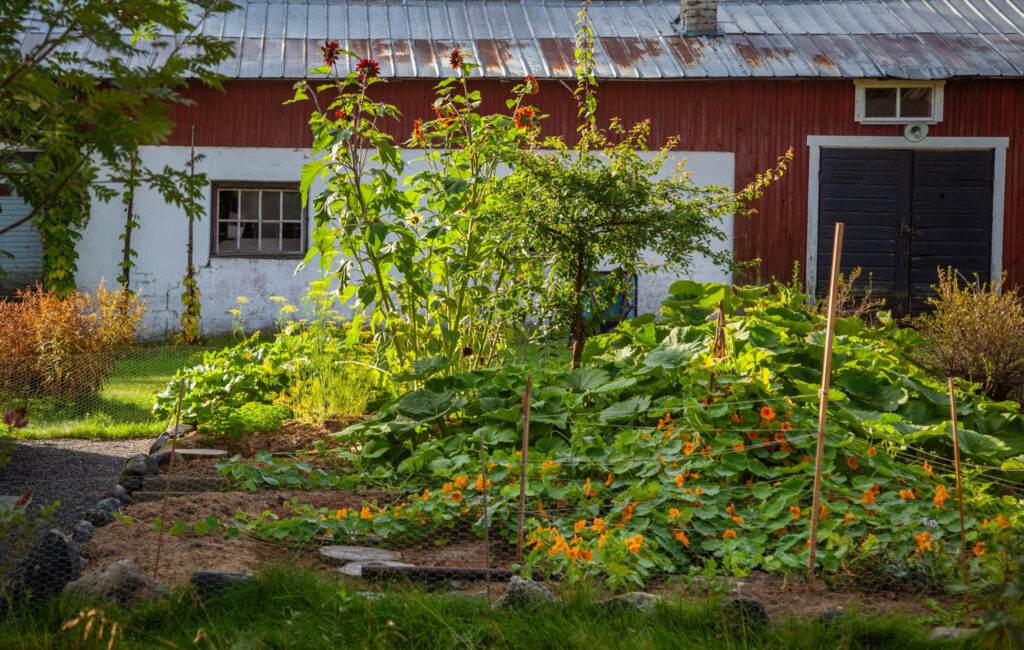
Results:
[816, 142]
[218, 186]
[859, 104]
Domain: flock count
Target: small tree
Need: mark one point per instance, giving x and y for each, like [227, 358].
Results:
[599, 202]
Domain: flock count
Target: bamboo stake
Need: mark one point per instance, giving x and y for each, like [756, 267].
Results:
[959, 490]
[522, 468]
[483, 490]
[826, 371]
[170, 473]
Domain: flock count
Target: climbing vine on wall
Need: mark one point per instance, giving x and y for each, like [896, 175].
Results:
[60, 228]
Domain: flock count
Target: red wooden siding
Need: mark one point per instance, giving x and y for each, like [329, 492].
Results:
[757, 119]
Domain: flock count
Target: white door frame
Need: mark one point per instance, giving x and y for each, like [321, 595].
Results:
[816, 142]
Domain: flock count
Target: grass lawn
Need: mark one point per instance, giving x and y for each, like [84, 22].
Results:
[122, 407]
[292, 609]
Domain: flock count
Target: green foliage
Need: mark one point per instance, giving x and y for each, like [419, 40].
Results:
[268, 371]
[671, 459]
[251, 417]
[417, 256]
[266, 471]
[976, 332]
[85, 114]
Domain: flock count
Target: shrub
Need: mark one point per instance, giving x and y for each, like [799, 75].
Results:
[252, 417]
[976, 332]
[60, 347]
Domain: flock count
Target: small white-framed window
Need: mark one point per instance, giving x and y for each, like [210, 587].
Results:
[898, 101]
[254, 219]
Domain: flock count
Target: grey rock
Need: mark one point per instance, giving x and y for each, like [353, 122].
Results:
[82, 533]
[161, 440]
[746, 611]
[120, 494]
[139, 465]
[635, 600]
[355, 569]
[831, 616]
[182, 429]
[341, 553]
[110, 504]
[209, 583]
[51, 564]
[163, 458]
[98, 518]
[523, 593]
[121, 582]
[949, 633]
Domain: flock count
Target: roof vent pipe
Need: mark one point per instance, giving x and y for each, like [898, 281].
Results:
[699, 16]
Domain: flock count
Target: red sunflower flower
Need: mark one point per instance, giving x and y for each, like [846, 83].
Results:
[532, 87]
[524, 117]
[455, 59]
[367, 68]
[331, 52]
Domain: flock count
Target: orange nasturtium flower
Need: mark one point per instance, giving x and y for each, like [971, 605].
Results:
[580, 525]
[924, 541]
[940, 495]
[681, 536]
[461, 482]
[789, 401]
[1003, 521]
[608, 481]
[767, 413]
[365, 513]
[785, 426]
[872, 452]
[587, 490]
[673, 513]
[426, 494]
[598, 525]
[851, 462]
[780, 437]
[688, 448]
[796, 511]
[738, 446]
[736, 418]
[479, 487]
[456, 496]
[848, 517]
[341, 513]
[446, 488]
[907, 494]
[679, 480]
[633, 543]
[731, 510]
[928, 468]
[627, 513]
[729, 533]
[979, 549]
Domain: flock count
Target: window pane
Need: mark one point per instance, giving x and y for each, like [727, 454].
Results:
[271, 206]
[247, 239]
[268, 237]
[250, 205]
[879, 102]
[915, 102]
[292, 207]
[291, 237]
[227, 214]
[226, 237]
[228, 205]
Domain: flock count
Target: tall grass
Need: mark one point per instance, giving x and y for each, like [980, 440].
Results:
[290, 609]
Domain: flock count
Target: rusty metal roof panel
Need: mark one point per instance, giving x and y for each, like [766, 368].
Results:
[634, 39]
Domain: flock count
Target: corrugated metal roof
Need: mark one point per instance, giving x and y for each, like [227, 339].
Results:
[637, 39]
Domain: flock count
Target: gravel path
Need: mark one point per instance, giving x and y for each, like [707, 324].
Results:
[78, 473]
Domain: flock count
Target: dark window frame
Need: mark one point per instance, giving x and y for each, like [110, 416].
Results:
[220, 185]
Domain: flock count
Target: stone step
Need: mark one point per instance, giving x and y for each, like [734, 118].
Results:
[182, 484]
[154, 495]
[192, 454]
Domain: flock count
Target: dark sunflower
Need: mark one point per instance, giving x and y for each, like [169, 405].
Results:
[524, 117]
[455, 59]
[331, 52]
[367, 68]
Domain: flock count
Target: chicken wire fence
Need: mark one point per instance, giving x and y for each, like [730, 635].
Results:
[210, 522]
[107, 394]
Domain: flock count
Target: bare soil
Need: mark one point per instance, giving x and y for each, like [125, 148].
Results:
[291, 438]
[179, 556]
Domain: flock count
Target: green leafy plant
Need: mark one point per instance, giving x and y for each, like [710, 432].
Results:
[249, 418]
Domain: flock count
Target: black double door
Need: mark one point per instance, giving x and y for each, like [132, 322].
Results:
[906, 213]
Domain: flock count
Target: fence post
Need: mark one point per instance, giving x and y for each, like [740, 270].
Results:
[826, 371]
[483, 490]
[170, 473]
[522, 468]
[959, 490]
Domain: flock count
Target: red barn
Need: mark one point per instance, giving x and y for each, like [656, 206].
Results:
[904, 115]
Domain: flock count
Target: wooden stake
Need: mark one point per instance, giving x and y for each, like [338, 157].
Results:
[959, 490]
[170, 473]
[826, 371]
[483, 490]
[522, 468]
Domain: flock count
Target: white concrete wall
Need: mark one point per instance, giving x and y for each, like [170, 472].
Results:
[161, 238]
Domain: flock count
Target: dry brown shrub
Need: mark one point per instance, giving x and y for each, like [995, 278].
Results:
[61, 347]
[976, 331]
